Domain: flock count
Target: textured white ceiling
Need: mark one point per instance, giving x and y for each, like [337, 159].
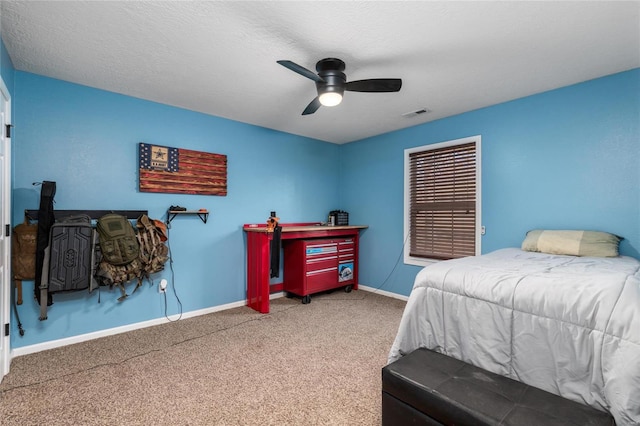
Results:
[220, 57]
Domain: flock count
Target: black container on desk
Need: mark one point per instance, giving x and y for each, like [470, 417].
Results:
[340, 218]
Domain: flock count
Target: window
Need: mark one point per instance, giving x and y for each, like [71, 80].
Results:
[442, 201]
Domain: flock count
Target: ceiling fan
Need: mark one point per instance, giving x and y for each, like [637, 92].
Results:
[331, 83]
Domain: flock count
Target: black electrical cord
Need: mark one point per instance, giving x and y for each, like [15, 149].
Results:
[384, 282]
[394, 266]
[122, 361]
[173, 279]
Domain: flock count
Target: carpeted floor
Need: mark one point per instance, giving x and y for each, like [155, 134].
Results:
[315, 364]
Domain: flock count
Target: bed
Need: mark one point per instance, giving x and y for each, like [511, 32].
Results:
[569, 325]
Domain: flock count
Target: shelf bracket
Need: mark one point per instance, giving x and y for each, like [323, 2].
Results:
[203, 215]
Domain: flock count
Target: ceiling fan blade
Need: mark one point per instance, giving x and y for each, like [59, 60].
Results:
[301, 70]
[312, 107]
[375, 85]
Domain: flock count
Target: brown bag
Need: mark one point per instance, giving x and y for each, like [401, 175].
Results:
[23, 254]
[152, 233]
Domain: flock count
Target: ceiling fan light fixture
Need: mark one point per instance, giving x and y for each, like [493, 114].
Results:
[330, 99]
[331, 82]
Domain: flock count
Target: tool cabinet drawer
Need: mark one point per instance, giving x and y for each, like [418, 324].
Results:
[321, 280]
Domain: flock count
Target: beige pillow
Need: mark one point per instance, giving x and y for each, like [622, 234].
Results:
[574, 243]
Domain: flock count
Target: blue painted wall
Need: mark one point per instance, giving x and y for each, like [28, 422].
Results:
[86, 140]
[569, 158]
[564, 159]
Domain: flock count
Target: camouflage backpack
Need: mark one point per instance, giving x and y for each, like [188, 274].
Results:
[152, 255]
[23, 254]
[152, 234]
[108, 274]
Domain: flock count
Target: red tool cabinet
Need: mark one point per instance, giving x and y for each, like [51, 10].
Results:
[258, 240]
[316, 265]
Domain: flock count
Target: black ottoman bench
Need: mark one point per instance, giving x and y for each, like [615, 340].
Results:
[428, 388]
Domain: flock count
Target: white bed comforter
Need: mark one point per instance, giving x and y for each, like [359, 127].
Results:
[568, 325]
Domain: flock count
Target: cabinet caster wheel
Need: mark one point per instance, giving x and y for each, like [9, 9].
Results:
[288, 295]
[306, 300]
[348, 289]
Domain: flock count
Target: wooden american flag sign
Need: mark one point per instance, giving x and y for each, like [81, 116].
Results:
[181, 171]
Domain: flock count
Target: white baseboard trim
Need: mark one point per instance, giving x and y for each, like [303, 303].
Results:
[382, 292]
[39, 347]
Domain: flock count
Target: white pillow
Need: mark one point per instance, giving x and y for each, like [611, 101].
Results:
[574, 243]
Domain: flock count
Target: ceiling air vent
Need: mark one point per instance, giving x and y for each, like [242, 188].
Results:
[416, 112]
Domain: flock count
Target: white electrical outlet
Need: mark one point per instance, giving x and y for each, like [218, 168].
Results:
[162, 286]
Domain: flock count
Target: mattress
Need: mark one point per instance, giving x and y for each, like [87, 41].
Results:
[568, 325]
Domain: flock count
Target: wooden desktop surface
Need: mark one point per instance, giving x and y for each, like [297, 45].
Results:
[304, 228]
